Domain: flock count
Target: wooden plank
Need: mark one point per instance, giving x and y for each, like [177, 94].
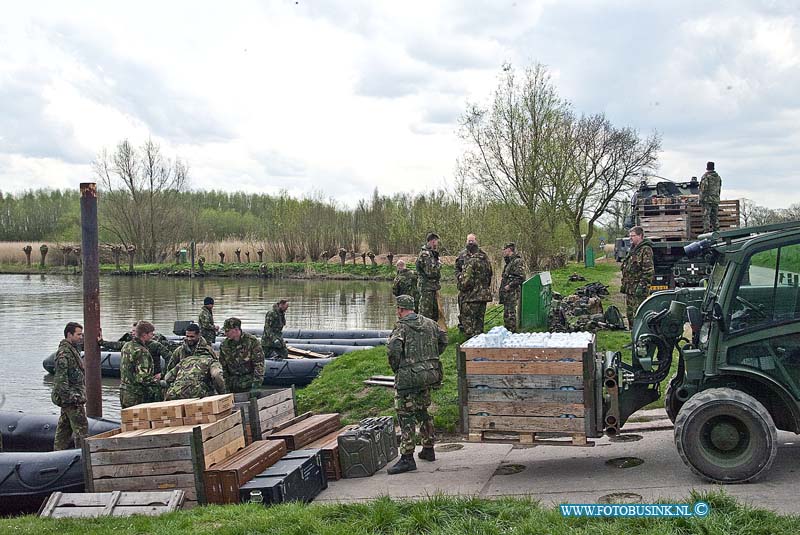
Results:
[126, 499]
[198, 460]
[87, 467]
[180, 453]
[174, 422]
[221, 454]
[143, 469]
[162, 482]
[166, 440]
[214, 443]
[216, 428]
[524, 368]
[50, 505]
[268, 426]
[523, 354]
[541, 395]
[386, 384]
[389, 378]
[496, 408]
[525, 424]
[526, 381]
[112, 502]
[506, 437]
[209, 405]
[292, 421]
[273, 399]
[461, 374]
[270, 412]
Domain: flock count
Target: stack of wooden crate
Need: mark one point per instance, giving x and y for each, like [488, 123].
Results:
[265, 410]
[162, 458]
[515, 394]
[176, 413]
[207, 410]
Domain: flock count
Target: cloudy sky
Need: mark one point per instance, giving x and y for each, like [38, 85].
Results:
[340, 97]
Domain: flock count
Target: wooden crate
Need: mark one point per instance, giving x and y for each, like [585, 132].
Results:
[206, 418]
[100, 504]
[136, 425]
[175, 422]
[329, 444]
[266, 410]
[208, 405]
[305, 429]
[222, 480]
[517, 393]
[160, 459]
[167, 410]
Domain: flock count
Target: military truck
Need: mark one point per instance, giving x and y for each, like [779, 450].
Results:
[737, 376]
[671, 216]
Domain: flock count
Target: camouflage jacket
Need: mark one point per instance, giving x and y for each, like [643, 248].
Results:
[638, 269]
[459, 264]
[413, 349]
[244, 358]
[513, 276]
[475, 282]
[710, 186]
[428, 270]
[136, 372]
[405, 283]
[274, 322]
[69, 386]
[206, 323]
[195, 376]
[159, 347]
[185, 350]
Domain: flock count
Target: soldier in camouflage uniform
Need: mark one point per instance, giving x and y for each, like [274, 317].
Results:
[208, 329]
[138, 381]
[474, 287]
[710, 186]
[195, 376]
[192, 344]
[413, 349]
[69, 389]
[272, 340]
[405, 283]
[428, 274]
[510, 285]
[241, 357]
[637, 272]
[159, 347]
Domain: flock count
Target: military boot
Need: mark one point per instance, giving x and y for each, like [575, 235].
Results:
[405, 464]
[427, 454]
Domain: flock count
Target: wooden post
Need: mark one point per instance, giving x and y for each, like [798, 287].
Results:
[91, 298]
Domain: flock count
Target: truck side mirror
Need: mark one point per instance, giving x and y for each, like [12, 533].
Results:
[719, 316]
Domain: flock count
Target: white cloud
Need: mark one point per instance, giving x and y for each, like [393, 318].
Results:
[339, 98]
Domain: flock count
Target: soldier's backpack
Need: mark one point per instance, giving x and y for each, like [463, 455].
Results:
[613, 317]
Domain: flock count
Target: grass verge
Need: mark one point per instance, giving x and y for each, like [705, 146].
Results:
[436, 514]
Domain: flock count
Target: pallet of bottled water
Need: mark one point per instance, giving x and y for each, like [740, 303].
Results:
[519, 385]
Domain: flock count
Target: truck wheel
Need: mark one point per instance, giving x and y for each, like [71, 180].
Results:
[671, 403]
[726, 436]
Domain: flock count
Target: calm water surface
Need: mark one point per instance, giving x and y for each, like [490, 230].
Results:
[35, 308]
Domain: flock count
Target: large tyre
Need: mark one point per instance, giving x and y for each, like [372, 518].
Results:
[671, 403]
[726, 436]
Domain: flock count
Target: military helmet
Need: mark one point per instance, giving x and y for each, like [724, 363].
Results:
[232, 323]
[405, 301]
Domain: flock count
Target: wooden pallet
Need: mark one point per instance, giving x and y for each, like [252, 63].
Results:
[117, 503]
[529, 439]
[159, 459]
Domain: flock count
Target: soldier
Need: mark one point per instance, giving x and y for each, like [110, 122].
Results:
[405, 283]
[428, 275]
[208, 329]
[69, 389]
[138, 382]
[637, 272]
[159, 347]
[710, 185]
[195, 376]
[241, 357]
[342, 255]
[474, 287]
[192, 344]
[510, 284]
[413, 349]
[272, 339]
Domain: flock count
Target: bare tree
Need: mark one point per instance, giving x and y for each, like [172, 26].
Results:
[140, 206]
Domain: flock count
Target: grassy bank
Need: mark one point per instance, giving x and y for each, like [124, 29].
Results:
[340, 387]
[437, 514]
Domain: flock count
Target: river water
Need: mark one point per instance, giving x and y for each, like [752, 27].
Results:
[35, 308]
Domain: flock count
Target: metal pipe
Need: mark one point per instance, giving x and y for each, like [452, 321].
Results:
[91, 298]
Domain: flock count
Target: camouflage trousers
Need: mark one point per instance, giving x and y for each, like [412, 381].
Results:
[428, 304]
[239, 383]
[275, 353]
[710, 217]
[510, 311]
[472, 316]
[129, 397]
[412, 409]
[631, 305]
[210, 336]
[71, 422]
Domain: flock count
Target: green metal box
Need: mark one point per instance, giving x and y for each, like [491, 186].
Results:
[537, 294]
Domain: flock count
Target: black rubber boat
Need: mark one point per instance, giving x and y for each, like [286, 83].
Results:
[36, 432]
[299, 372]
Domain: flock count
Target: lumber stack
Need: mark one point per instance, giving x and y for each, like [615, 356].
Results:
[305, 429]
[177, 412]
[264, 410]
[167, 458]
[515, 393]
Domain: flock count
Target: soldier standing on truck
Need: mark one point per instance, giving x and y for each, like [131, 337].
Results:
[710, 186]
[637, 272]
